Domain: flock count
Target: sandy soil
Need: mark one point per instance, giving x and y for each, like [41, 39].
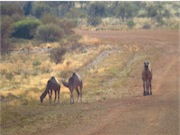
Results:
[137, 115]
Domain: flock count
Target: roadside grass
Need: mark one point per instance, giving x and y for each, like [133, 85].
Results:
[144, 23]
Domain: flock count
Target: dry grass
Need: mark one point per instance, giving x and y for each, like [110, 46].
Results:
[104, 75]
[86, 40]
[115, 24]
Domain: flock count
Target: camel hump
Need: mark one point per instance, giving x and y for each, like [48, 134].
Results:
[54, 80]
[76, 76]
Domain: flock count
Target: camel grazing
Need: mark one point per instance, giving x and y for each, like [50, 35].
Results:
[147, 77]
[74, 82]
[52, 84]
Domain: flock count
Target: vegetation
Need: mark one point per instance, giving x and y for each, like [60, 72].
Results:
[51, 21]
[57, 55]
[49, 32]
[25, 28]
[42, 38]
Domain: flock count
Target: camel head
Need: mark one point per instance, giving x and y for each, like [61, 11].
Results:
[65, 83]
[41, 99]
[43, 96]
[146, 65]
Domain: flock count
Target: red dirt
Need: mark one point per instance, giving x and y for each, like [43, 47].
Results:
[138, 115]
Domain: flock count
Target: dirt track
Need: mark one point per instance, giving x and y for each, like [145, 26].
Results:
[138, 115]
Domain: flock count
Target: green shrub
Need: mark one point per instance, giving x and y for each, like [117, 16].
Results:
[36, 63]
[131, 24]
[49, 32]
[25, 28]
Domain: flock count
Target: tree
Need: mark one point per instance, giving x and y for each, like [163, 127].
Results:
[125, 10]
[27, 8]
[6, 30]
[97, 9]
[40, 8]
[9, 8]
[156, 11]
[25, 28]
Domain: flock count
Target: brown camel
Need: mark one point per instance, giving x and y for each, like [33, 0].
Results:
[74, 82]
[147, 77]
[52, 84]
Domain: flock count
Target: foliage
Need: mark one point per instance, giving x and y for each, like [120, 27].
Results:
[25, 28]
[94, 21]
[36, 63]
[9, 8]
[125, 10]
[75, 13]
[49, 18]
[6, 29]
[131, 23]
[15, 21]
[68, 26]
[27, 8]
[49, 32]
[57, 54]
[10, 13]
[39, 9]
[146, 26]
[97, 9]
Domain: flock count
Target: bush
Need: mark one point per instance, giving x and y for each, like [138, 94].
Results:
[36, 63]
[49, 18]
[68, 26]
[131, 24]
[56, 55]
[146, 26]
[49, 32]
[94, 21]
[25, 28]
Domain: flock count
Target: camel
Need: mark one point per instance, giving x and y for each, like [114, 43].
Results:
[146, 78]
[74, 82]
[52, 84]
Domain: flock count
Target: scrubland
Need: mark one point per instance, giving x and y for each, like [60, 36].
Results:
[110, 64]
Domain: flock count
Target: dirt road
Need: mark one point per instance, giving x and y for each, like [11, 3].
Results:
[136, 115]
[155, 115]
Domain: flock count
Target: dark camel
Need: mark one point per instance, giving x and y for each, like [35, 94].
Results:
[147, 77]
[52, 84]
[74, 82]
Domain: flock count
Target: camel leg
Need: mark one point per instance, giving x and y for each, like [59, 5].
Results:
[55, 96]
[50, 95]
[77, 95]
[72, 98]
[58, 95]
[144, 88]
[81, 91]
[147, 89]
[150, 89]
